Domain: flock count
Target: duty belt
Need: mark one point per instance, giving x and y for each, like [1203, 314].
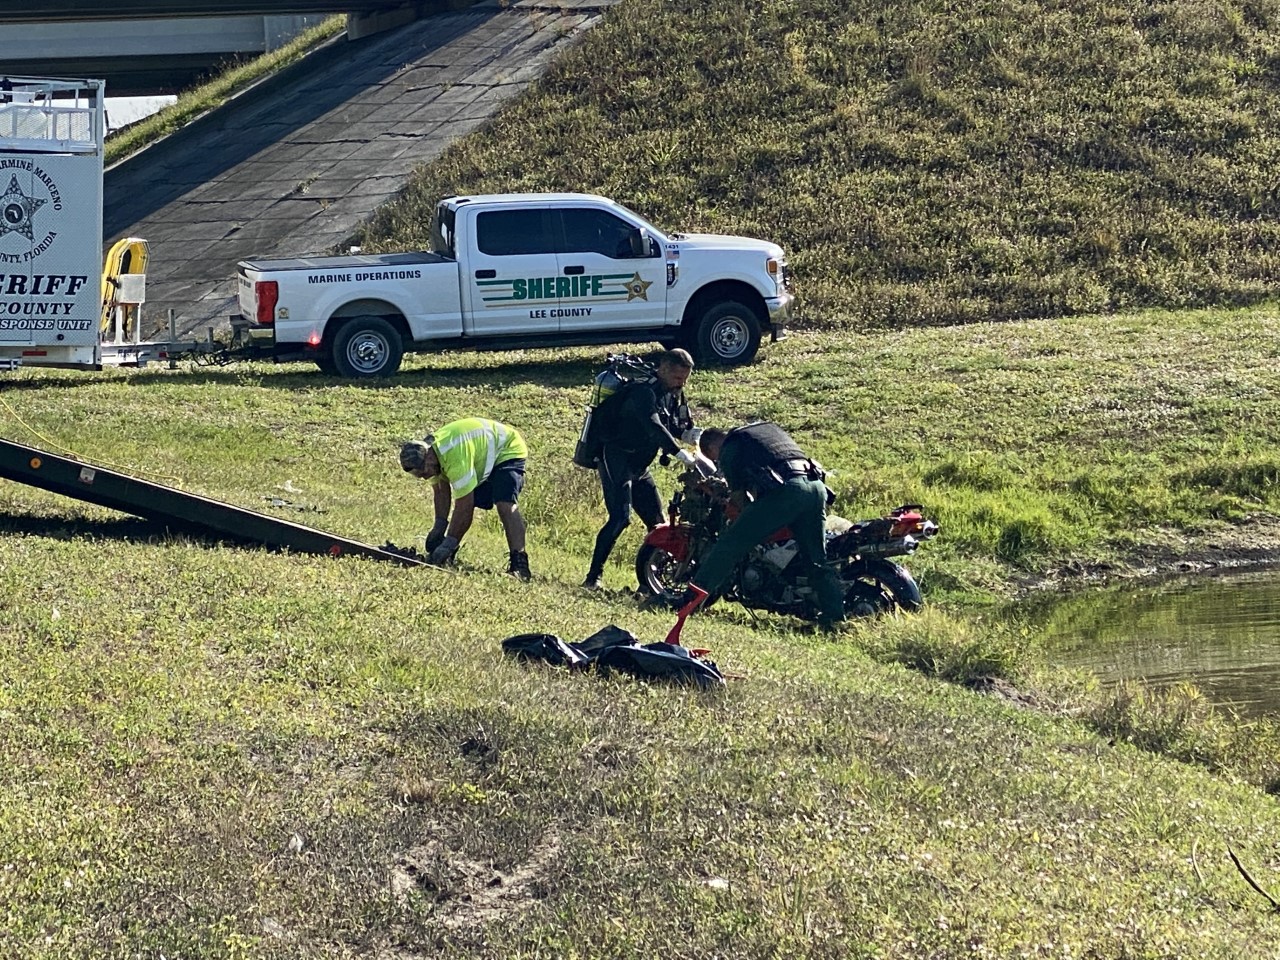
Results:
[788, 469]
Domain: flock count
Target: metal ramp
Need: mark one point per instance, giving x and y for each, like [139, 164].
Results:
[176, 509]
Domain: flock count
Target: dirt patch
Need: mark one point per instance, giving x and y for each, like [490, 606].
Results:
[1252, 542]
[999, 687]
[468, 893]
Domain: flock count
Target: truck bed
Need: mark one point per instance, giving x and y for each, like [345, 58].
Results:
[347, 262]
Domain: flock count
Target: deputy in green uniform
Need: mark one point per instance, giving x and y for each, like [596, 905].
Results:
[472, 463]
[785, 489]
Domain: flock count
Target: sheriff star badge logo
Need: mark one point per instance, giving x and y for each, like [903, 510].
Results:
[637, 288]
[16, 210]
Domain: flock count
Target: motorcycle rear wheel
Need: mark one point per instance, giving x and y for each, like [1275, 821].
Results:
[881, 587]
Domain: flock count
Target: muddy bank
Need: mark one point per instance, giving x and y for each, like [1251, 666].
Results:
[1250, 543]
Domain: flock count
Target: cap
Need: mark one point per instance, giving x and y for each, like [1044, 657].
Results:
[413, 455]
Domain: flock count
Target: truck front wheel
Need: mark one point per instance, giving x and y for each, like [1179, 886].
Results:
[367, 347]
[727, 335]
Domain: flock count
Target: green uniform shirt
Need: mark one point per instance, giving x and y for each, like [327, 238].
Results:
[470, 448]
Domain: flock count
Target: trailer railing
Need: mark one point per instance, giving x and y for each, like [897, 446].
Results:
[51, 116]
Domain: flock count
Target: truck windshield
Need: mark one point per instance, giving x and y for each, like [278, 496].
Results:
[654, 231]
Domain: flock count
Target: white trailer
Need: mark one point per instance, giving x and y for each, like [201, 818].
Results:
[52, 136]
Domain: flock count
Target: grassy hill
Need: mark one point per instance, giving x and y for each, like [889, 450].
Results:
[924, 162]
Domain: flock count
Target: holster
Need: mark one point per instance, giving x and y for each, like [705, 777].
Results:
[765, 479]
[772, 477]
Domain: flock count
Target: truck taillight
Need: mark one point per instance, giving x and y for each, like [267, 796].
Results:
[267, 294]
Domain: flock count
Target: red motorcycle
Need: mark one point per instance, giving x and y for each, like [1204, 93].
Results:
[766, 579]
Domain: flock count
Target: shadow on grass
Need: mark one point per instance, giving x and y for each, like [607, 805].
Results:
[175, 533]
[122, 529]
[549, 373]
[301, 379]
[305, 376]
[80, 528]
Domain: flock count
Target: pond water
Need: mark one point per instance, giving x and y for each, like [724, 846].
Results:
[1220, 632]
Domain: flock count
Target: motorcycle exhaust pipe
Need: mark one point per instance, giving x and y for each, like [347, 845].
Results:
[890, 548]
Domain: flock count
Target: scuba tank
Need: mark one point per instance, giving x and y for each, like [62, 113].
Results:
[622, 369]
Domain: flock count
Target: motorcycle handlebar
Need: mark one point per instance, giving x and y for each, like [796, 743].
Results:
[704, 468]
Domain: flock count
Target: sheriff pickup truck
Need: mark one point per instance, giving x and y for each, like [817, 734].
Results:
[511, 271]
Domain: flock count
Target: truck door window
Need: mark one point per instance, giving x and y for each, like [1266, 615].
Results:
[588, 230]
[513, 233]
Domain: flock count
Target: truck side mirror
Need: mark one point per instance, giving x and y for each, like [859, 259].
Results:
[641, 243]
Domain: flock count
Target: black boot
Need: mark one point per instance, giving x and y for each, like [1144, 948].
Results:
[519, 566]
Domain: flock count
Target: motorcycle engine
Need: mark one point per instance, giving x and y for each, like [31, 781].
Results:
[762, 584]
[753, 580]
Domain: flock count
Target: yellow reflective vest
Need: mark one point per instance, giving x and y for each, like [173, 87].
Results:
[470, 448]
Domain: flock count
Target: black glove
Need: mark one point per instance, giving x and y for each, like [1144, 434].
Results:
[444, 552]
[435, 537]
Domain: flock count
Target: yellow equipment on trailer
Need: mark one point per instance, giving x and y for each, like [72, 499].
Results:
[124, 289]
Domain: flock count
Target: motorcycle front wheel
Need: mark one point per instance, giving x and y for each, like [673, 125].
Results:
[876, 587]
[660, 574]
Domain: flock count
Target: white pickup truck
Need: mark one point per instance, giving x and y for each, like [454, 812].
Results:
[510, 271]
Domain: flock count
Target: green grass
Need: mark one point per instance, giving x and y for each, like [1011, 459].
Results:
[216, 91]
[220, 752]
[216, 752]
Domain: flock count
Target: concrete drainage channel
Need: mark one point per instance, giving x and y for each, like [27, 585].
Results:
[294, 165]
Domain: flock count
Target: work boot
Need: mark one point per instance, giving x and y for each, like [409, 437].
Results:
[594, 581]
[519, 566]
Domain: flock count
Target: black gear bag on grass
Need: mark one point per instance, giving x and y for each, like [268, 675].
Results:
[614, 650]
[544, 646]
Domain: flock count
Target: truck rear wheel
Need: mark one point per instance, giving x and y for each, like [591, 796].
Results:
[727, 335]
[367, 347]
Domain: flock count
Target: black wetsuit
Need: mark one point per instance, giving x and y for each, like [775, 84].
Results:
[640, 421]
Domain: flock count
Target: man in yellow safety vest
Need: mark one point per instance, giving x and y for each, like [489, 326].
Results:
[472, 463]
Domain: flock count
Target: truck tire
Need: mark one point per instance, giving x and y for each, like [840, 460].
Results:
[367, 347]
[727, 335]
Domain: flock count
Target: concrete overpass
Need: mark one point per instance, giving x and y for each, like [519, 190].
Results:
[145, 47]
[60, 11]
[143, 57]
[296, 164]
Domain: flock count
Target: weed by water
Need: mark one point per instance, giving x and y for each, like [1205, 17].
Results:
[1247, 481]
[1179, 722]
[961, 650]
